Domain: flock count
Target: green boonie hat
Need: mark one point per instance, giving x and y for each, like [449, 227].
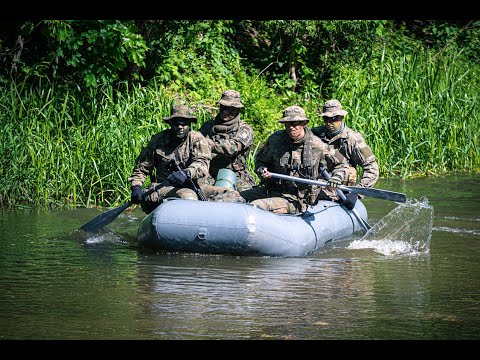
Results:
[293, 113]
[231, 98]
[333, 108]
[181, 111]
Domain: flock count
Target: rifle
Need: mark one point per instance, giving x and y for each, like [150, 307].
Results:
[191, 183]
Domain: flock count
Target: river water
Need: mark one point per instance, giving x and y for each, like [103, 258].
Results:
[415, 275]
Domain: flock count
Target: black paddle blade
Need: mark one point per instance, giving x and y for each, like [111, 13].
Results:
[377, 193]
[104, 219]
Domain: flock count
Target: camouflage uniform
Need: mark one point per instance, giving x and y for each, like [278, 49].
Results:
[301, 158]
[155, 161]
[232, 142]
[352, 145]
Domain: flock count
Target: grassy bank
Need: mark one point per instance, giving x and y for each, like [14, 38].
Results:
[418, 113]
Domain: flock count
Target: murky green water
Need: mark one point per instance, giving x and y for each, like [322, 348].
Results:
[416, 276]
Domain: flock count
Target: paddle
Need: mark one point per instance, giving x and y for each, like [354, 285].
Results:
[370, 192]
[364, 225]
[107, 217]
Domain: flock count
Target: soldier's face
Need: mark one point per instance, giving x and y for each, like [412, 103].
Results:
[332, 123]
[295, 129]
[180, 127]
[228, 113]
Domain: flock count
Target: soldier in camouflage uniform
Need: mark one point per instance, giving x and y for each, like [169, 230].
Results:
[230, 140]
[185, 145]
[349, 142]
[296, 152]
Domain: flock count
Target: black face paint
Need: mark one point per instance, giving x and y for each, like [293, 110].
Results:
[180, 127]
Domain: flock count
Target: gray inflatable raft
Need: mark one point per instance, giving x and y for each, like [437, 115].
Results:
[207, 227]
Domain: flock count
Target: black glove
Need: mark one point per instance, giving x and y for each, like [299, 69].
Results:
[177, 178]
[350, 201]
[260, 170]
[334, 182]
[137, 193]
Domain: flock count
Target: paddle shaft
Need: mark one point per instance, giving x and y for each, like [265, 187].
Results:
[371, 192]
[364, 225]
[107, 217]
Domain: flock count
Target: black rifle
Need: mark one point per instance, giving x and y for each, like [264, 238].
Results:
[191, 183]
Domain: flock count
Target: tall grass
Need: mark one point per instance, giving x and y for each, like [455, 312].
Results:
[417, 112]
[52, 155]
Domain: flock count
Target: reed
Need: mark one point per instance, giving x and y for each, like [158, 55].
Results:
[55, 154]
[417, 112]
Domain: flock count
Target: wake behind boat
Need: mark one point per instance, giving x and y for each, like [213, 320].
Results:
[179, 225]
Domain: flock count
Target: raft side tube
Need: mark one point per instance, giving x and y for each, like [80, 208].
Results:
[181, 225]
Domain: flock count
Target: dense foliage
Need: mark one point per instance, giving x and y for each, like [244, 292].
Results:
[81, 97]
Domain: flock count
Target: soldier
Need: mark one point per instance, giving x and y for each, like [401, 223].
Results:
[350, 143]
[296, 152]
[230, 140]
[178, 143]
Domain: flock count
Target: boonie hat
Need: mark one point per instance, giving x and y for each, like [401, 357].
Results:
[231, 98]
[333, 108]
[293, 113]
[181, 111]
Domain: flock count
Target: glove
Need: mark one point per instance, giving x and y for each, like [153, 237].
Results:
[260, 171]
[334, 182]
[177, 178]
[350, 201]
[137, 193]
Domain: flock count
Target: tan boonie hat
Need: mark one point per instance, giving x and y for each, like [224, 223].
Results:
[333, 108]
[293, 113]
[231, 98]
[181, 111]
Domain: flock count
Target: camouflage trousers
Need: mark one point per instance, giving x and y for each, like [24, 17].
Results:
[152, 201]
[213, 193]
[280, 204]
[273, 202]
[221, 194]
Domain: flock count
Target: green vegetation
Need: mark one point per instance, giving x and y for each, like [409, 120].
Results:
[77, 110]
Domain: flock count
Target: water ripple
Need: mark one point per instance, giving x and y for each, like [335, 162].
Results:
[456, 230]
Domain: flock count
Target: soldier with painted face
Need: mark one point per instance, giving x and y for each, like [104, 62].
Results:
[295, 151]
[179, 142]
[349, 142]
[230, 140]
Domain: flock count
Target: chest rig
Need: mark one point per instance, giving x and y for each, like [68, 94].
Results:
[305, 168]
[299, 194]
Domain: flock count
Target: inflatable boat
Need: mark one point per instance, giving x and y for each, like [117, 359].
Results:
[207, 227]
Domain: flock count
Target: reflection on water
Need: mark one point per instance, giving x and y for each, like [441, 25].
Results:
[415, 276]
[263, 298]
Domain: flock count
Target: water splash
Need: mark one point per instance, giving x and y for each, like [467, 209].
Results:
[406, 230]
[106, 237]
[102, 236]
